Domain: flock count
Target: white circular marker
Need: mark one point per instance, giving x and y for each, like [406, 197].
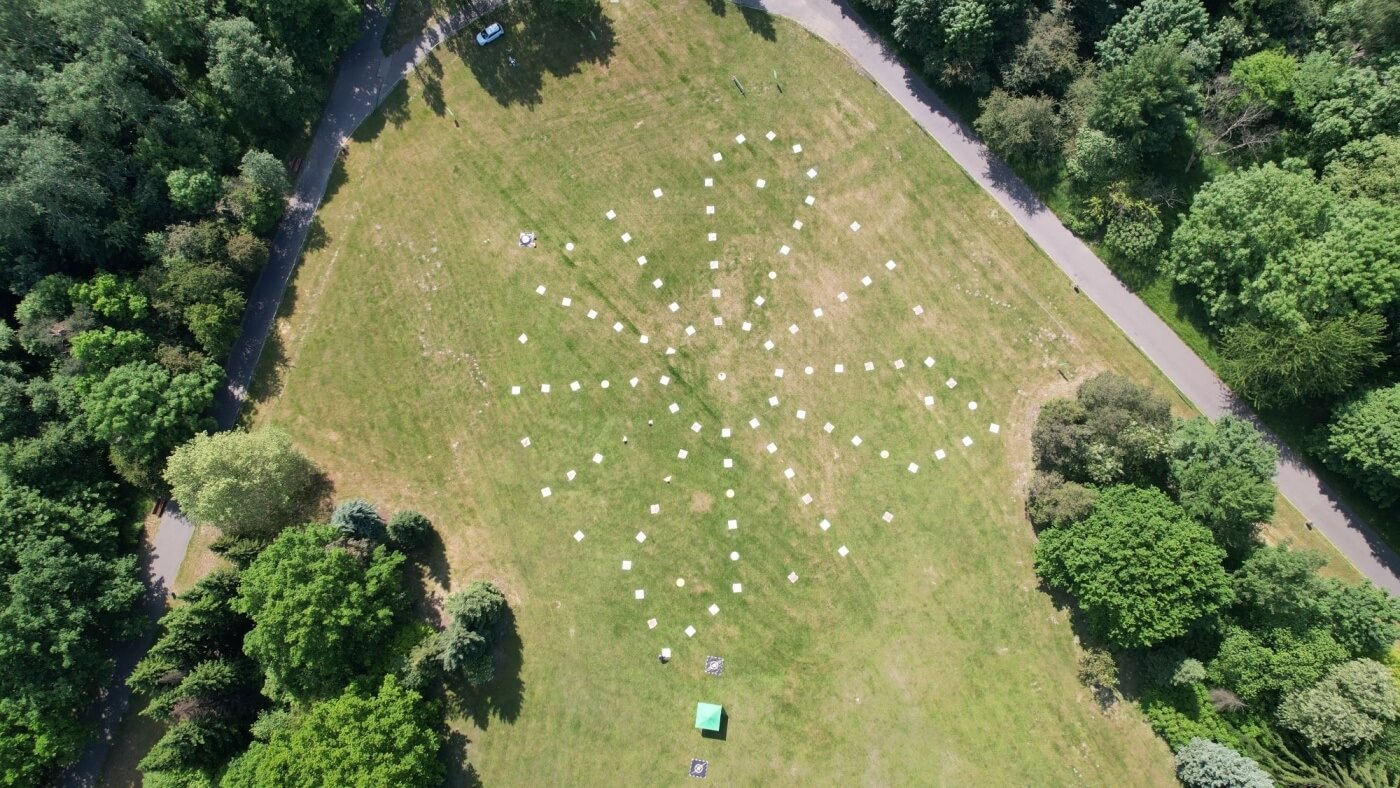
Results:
[884, 455]
[772, 274]
[680, 582]
[972, 406]
[722, 376]
[569, 247]
[734, 556]
[728, 493]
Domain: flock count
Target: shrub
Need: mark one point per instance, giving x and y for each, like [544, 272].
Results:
[1205, 764]
[409, 530]
[357, 518]
[1348, 707]
[1362, 443]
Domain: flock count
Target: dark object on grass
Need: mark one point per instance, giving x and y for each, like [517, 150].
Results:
[699, 769]
[714, 666]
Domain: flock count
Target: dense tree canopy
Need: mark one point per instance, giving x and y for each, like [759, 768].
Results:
[1140, 570]
[1224, 474]
[246, 483]
[1363, 443]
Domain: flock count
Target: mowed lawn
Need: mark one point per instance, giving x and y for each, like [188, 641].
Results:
[928, 655]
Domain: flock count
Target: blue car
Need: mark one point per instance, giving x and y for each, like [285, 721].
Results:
[490, 33]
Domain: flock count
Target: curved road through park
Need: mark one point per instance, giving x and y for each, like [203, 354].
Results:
[365, 75]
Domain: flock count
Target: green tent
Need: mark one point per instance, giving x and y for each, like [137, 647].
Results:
[707, 716]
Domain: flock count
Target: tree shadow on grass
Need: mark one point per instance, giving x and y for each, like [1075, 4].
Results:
[501, 697]
[393, 110]
[536, 44]
[429, 74]
[433, 556]
[460, 771]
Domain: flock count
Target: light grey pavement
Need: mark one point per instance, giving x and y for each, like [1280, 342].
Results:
[364, 76]
[836, 23]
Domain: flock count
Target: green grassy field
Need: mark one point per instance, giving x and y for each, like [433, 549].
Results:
[928, 655]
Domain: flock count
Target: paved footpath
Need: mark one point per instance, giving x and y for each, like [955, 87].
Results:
[364, 75]
[835, 22]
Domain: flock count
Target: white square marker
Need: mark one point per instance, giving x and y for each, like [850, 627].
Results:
[633, 382]
[656, 192]
[541, 289]
[855, 441]
[566, 301]
[828, 427]
[733, 525]
[597, 459]
[578, 536]
[523, 338]
[797, 224]
[870, 366]
[657, 283]
[824, 524]
[712, 237]
[789, 473]
[891, 265]
[839, 369]
[929, 362]
[810, 200]
[777, 373]
[841, 296]
[784, 249]
[611, 215]
[806, 499]
[655, 508]
[760, 183]
[951, 383]
[515, 391]
[710, 182]
[801, 415]
[618, 327]
[940, 454]
[725, 432]
[714, 609]
[768, 345]
[812, 173]
[746, 325]
[682, 454]
[545, 492]
[641, 537]
[737, 588]
[639, 594]
[575, 386]
[673, 306]
[793, 329]
[675, 408]
[771, 136]
[913, 468]
[709, 210]
[717, 157]
[690, 632]
[773, 402]
[525, 441]
[544, 388]
[592, 314]
[842, 551]
[994, 429]
[728, 463]
[797, 149]
[690, 331]
[741, 139]
[928, 400]
[772, 448]
[887, 517]
[758, 300]
[695, 427]
[972, 405]
[570, 475]
[641, 261]
[792, 577]
[714, 265]
[967, 440]
[715, 292]
[918, 309]
[817, 312]
[899, 363]
[865, 280]
[670, 351]
[855, 226]
[627, 238]
[753, 423]
[651, 623]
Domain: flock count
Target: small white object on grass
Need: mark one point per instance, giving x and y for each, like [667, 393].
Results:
[722, 377]
[789, 473]
[690, 632]
[728, 463]
[817, 312]
[865, 280]
[682, 454]
[618, 327]
[870, 366]
[929, 362]
[940, 454]
[578, 536]
[842, 551]
[675, 408]
[566, 301]
[855, 440]
[972, 405]
[523, 338]
[841, 296]
[714, 265]
[884, 455]
[575, 386]
[994, 428]
[746, 325]
[729, 493]
[913, 467]
[544, 388]
[639, 594]
[641, 537]
[899, 363]
[812, 173]
[709, 210]
[855, 226]
[801, 415]
[928, 400]
[604, 384]
[570, 475]
[690, 331]
[673, 306]
[967, 440]
[887, 517]
[828, 427]
[951, 383]
[773, 401]
[569, 247]
[664, 380]
[626, 565]
[545, 492]
[651, 623]
[777, 373]
[734, 556]
[807, 370]
[797, 224]
[597, 458]
[611, 215]
[890, 265]
[712, 236]
[714, 609]
[715, 292]
[792, 577]
[784, 249]
[641, 261]
[725, 432]
[655, 508]
[771, 136]
[759, 300]
[753, 423]
[733, 525]
[592, 314]
[680, 582]
[760, 183]
[525, 441]
[839, 369]
[793, 329]
[797, 149]
[695, 427]
[515, 391]
[737, 588]
[627, 238]
[772, 448]
[634, 382]
[541, 289]
[710, 182]
[657, 283]
[741, 139]
[768, 345]
[717, 157]
[806, 499]
[824, 524]
[656, 192]
[918, 309]
[810, 200]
